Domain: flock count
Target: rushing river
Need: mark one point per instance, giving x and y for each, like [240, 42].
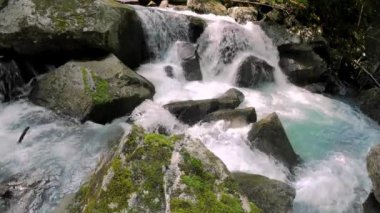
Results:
[331, 136]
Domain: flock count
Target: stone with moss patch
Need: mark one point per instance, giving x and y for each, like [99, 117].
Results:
[92, 90]
[155, 173]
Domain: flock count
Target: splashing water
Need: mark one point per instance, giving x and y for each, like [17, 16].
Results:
[331, 136]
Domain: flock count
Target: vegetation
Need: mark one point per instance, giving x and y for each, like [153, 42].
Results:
[100, 92]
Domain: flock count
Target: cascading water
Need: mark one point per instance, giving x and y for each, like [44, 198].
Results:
[331, 136]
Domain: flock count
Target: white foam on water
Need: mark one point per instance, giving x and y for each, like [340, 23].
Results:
[331, 136]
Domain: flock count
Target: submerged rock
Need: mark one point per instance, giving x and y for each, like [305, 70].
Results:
[72, 27]
[207, 6]
[189, 59]
[92, 90]
[156, 173]
[25, 193]
[268, 135]
[373, 167]
[271, 196]
[369, 103]
[301, 64]
[253, 71]
[190, 112]
[237, 117]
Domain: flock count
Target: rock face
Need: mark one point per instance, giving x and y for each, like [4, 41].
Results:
[268, 135]
[156, 173]
[189, 59]
[373, 167]
[243, 14]
[190, 112]
[10, 80]
[271, 196]
[72, 27]
[252, 71]
[369, 102]
[371, 205]
[237, 117]
[207, 6]
[301, 64]
[92, 90]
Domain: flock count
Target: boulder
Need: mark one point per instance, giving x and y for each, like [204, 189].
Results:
[190, 112]
[268, 136]
[243, 14]
[373, 167]
[237, 117]
[369, 103]
[150, 172]
[207, 6]
[189, 59]
[371, 205]
[253, 71]
[301, 63]
[92, 90]
[72, 28]
[272, 196]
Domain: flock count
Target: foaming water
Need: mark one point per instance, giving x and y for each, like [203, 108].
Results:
[62, 150]
[331, 136]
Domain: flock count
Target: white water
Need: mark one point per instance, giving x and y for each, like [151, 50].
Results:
[331, 136]
[64, 151]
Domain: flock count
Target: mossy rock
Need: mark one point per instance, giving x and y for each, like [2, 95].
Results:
[270, 195]
[373, 167]
[72, 27]
[92, 90]
[207, 6]
[151, 172]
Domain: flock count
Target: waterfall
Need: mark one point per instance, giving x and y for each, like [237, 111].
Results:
[331, 136]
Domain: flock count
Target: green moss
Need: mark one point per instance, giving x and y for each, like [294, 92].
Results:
[209, 195]
[100, 94]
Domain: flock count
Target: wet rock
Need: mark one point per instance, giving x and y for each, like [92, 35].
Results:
[373, 167]
[11, 80]
[371, 205]
[189, 59]
[72, 27]
[301, 63]
[268, 135]
[269, 195]
[190, 112]
[253, 71]
[169, 71]
[279, 34]
[369, 103]
[237, 117]
[207, 6]
[25, 193]
[243, 14]
[316, 87]
[151, 172]
[92, 90]
[196, 28]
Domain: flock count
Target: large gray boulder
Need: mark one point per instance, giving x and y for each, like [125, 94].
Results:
[268, 135]
[190, 112]
[301, 63]
[369, 103]
[237, 117]
[253, 71]
[189, 59]
[373, 167]
[72, 27]
[272, 196]
[157, 173]
[92, 90]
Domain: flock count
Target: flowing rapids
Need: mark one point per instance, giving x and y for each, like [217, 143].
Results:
[331, 136]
